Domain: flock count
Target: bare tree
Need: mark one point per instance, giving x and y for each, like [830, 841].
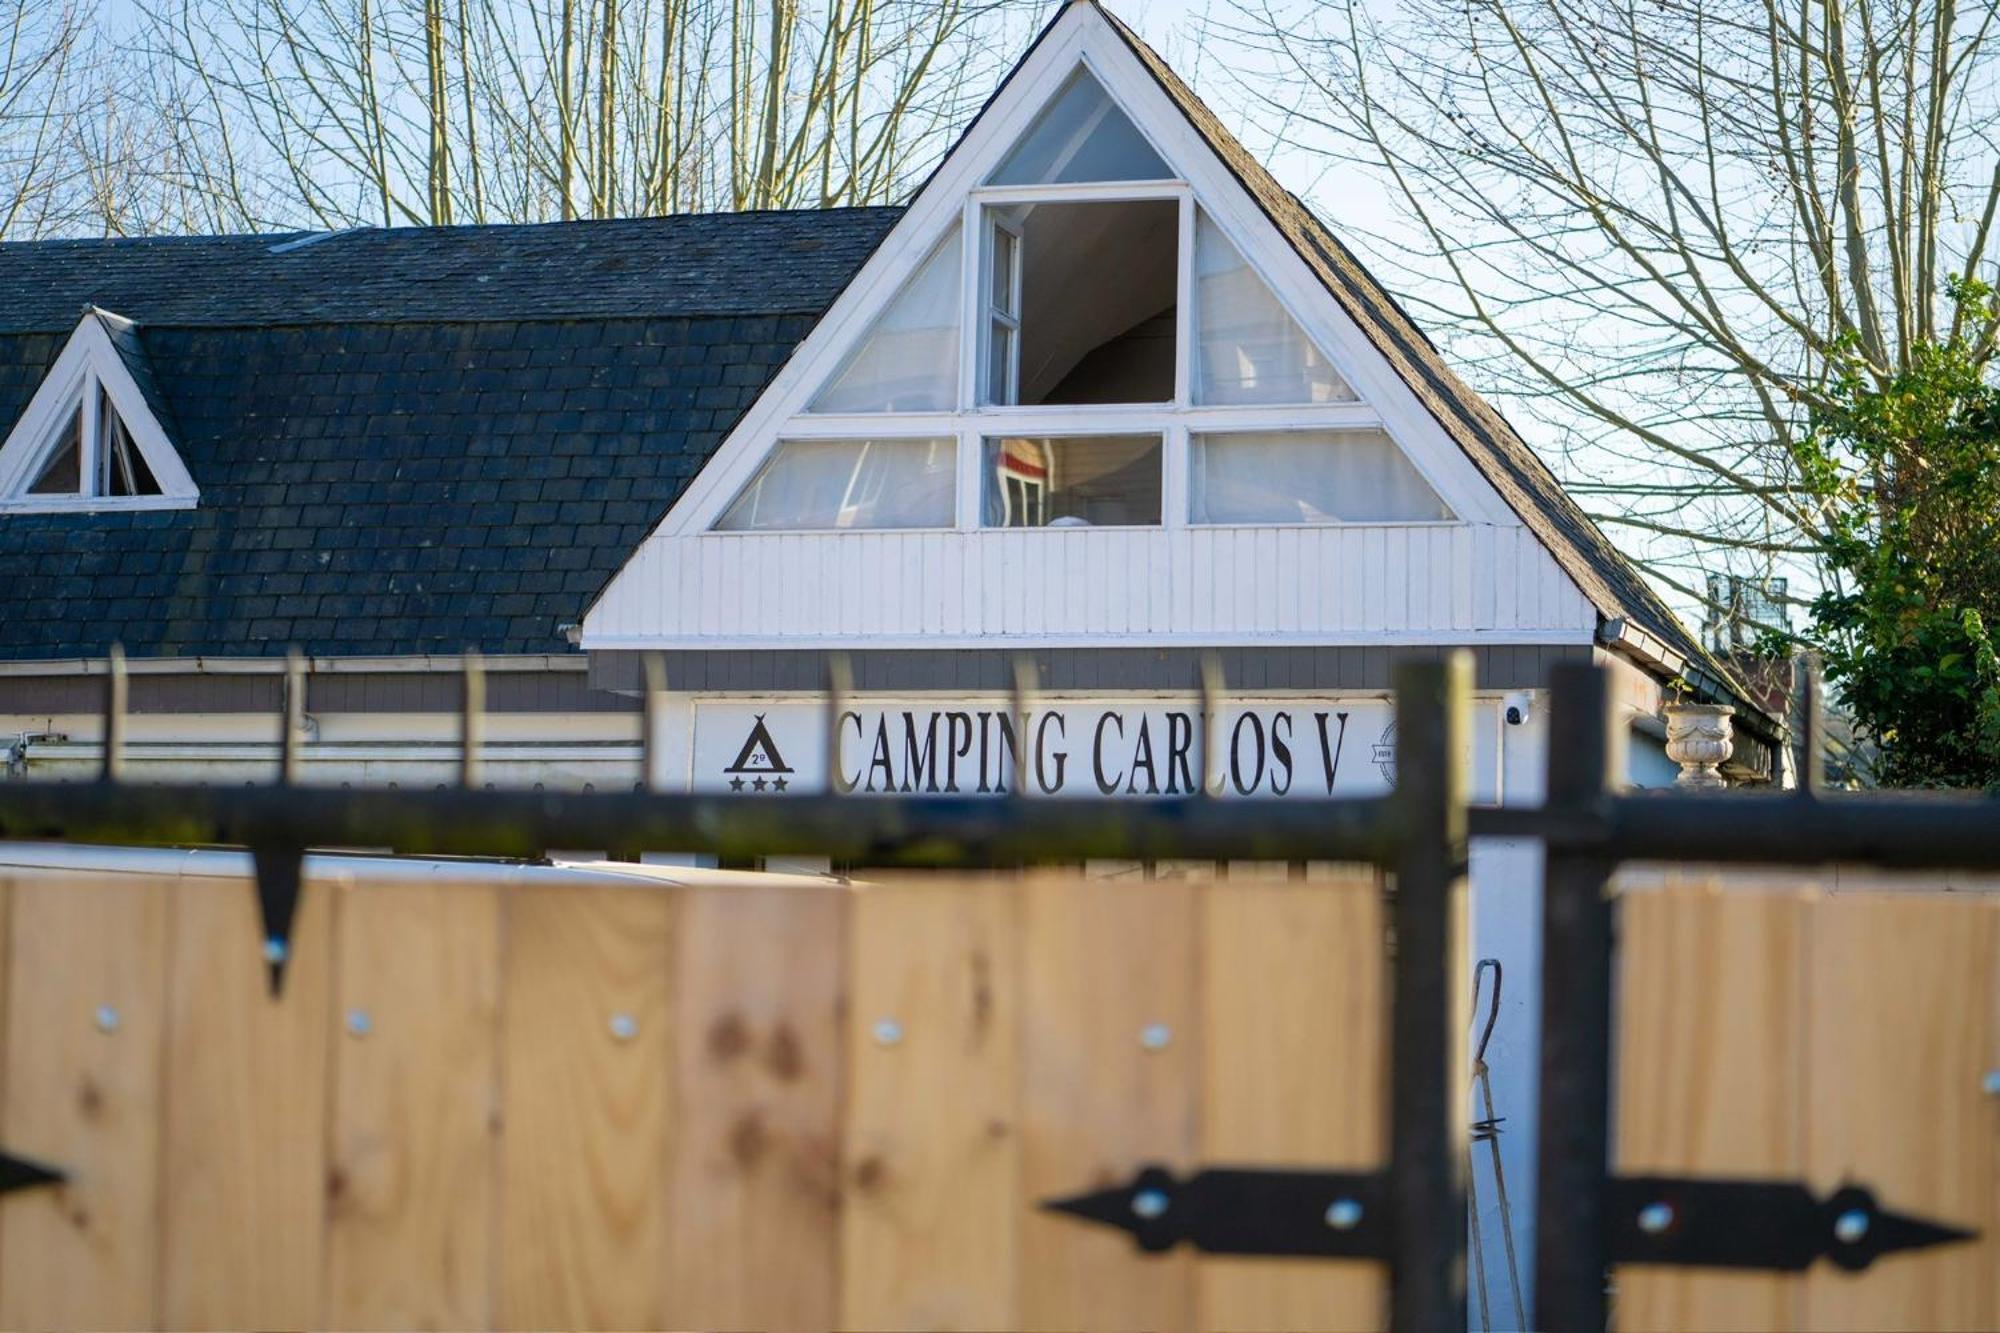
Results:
[44, 186]
[344, 112]
[1653, 227]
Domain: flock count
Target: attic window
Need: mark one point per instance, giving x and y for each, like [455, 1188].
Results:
[88, 439]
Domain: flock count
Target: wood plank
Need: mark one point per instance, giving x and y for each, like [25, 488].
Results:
[242, 1207]
[754, 1169]
[1711, 1081]
[1904, 1027]
[1294, 1070]
[84, 1098]
[416, 1108]
[1111, 1046]
[933, 1183]
[586, 1039]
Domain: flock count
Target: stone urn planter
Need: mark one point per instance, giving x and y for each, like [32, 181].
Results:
[1700, 738]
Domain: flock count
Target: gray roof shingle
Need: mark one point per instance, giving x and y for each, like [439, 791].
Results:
[396, 457]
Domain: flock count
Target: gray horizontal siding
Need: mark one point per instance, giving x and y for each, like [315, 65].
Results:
[343, 692]
[1496, 666]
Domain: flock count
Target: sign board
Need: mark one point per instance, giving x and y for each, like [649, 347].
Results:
[1111, 748]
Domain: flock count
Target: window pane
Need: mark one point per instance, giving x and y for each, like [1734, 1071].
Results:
[908, 362]
[64, 473]
[1248, 349]
[1099, 291]
[827, 484]
[1080, 481]
[1081, 136]
[1004, 251]
[999, 346]
[1308, 477]
[125, 470]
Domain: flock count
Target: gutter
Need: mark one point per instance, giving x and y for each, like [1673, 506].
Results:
[275, 666]
[1627, 640]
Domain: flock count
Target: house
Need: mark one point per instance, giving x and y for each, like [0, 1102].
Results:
[1103, 398]
[1103, 394]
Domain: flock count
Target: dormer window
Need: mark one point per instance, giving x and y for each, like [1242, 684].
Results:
[1086, 344]
[89, 438]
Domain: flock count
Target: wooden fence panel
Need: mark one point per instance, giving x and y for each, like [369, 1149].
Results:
[759, 1060]
[243, 1164]
[586, 1050]
[932, 1143]
[1295, 1056]
[1903, 1002]
[1826, 1038]
[416, 1114]
[1712, 1026]
[768, 1105]
[1111, 1052]
[84, 1094]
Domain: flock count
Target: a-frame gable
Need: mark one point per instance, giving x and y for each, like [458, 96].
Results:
[650, 601]
[1080, 37]
[101, 369]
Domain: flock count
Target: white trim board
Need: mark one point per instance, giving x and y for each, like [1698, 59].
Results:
[89, 357]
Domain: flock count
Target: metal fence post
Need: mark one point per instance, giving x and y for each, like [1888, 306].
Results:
[1585, 764]
[1428, 1073]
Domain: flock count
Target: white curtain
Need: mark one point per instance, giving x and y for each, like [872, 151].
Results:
[1247, 348]
[1308, 477]
[908, 362]
[833, 484]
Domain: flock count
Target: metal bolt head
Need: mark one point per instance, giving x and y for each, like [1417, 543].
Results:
[359, 1024]
[275, 950]
[1655, 1218]
[1344, 1214]
[105, 1019]
[1991, 1083]
[1155, 1036]
[1851, 1227]
[1149, 1204]
[624, 1027]
[887, 1032]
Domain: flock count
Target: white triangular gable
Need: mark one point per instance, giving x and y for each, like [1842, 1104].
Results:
[89, 379]
[652, 602]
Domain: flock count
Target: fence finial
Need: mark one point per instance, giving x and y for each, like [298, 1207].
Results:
[294, 723]
[472, 708]
[1213, 687]
[115, 693]
[655, 668]
[1027, 681]
[839, 684]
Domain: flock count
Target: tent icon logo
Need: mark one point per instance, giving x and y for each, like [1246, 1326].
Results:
[758, 762]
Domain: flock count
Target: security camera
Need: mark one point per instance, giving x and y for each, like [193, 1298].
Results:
[1518, 707]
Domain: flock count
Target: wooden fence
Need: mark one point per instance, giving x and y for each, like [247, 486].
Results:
[652, 1106]
[1829, 1038]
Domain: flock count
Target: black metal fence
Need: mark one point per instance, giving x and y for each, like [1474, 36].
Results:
[1418, 833]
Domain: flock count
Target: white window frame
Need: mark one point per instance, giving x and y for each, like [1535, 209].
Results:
[1383, 401]
[87, 374]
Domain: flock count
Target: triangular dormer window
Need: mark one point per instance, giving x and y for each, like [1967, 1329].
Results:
[91, 438]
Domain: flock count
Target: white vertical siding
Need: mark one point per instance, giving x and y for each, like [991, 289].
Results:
[1091, 585]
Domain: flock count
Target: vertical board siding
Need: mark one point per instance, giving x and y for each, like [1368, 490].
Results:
[416, 1113]
[603, 1105]
[81, 1097]
[752, 1177]
[243, 1168]
[587, 1037]
[1770, 1033]
[1110, 583]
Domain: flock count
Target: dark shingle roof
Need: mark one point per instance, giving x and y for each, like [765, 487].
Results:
[1509, 465]
[394, 456]
[698, 264]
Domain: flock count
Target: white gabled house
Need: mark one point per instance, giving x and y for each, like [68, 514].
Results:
[1107, 396]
